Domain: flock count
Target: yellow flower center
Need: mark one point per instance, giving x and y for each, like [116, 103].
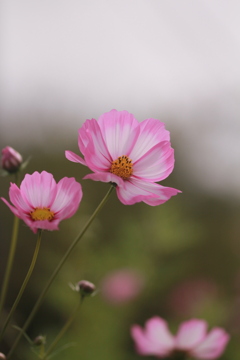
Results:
[122, 167]
[42, 214]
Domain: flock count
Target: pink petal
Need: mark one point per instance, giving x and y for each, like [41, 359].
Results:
[137, 190]
[143, 345]
[133, 192]
[12, 208]
[74, 157]
[84, 133]
[106, 177]
[120, 131]
[212, 346]
[90, 131]
[39, 189]
[158, 332]
[156, 164]
[23, 216]
[190, 334]
[68, 197]
[155, 339]
[43, 224]
[95, 160]
[152, 132]
[96, 154]
[17, 199]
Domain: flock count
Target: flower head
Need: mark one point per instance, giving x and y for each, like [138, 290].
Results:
[42, 203]
[122, 286]
[190, 296]
[11, 159]
[132, 155]
[191, 339]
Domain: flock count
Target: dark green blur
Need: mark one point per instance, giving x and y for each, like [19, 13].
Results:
[188, 251]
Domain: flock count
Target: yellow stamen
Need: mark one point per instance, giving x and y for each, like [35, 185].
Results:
[122, 167]
[42, 214]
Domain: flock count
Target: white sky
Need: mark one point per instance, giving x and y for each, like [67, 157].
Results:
[176, 60]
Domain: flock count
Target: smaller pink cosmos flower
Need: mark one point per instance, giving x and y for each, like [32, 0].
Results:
[191, 339]
[132, 155]
[42, 203]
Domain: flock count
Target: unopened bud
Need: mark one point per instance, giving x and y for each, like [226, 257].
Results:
[39, 340]
[11, 159]
[2, 356]
[86, 288]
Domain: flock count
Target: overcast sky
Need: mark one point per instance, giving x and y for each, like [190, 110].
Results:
[175, 60]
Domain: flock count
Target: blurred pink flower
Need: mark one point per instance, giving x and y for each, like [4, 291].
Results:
[122, 286]
[191, 339]
[42, 203]
[11, 159]
[189, 296]
[133, 155]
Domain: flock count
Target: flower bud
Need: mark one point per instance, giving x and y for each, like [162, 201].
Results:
[39, 340]
[2, 356]
[86, 288]
[11, 159]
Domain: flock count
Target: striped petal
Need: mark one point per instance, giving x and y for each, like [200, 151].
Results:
[120, 131]
[152, 132]
[155, 339]
[213, 345]
[190, 334]
[39, 189]
[96, 153]
[71, 156]
[68, 197]
[137, 190]
[156, 164]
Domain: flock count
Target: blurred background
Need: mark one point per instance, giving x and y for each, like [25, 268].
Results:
[63, 62]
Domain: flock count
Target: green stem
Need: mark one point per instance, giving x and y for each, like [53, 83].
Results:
[58, 268]
[42, 351]
[10, 262]
[62, 332]
[10, 259]
[24, 284]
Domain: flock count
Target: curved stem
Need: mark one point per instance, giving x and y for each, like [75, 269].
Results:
[24, 284]
[58, 268]
[62, 332]
[10, 257]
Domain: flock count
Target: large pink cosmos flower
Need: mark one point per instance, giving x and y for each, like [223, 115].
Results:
[191, 339]
[42, 203]
[133, 155]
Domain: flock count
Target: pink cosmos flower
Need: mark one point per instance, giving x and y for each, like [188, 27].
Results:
[132, 155]
[42, 203]
[122, 286]
[190, 296]
[191, 339]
